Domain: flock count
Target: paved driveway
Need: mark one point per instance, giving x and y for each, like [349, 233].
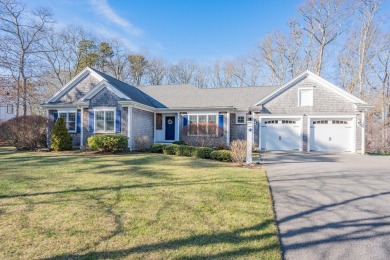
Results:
[331, 206]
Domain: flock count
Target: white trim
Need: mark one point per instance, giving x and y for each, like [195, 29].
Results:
[104, 109]
[67, 112]
[73, 82]
[154, 126]
[349, 116]
[203, 113]
[316, 79]
[100, 86]
[363, 132]
[137, 105]
[129, 127]
[227, 127]
[177, 135]
[278, 116]
[240, 114]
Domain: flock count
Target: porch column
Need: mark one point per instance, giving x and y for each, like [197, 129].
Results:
[129, 127]
[47, 127]
[228, 128]
[177, 134]
[363, 122]
[81, 128]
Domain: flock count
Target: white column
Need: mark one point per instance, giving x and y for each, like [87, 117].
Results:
[47, 127]
[363, 132]
[249, 141]
[228, 128]
[129, 127]
[81, 128]
[154, 127]
[177, 134]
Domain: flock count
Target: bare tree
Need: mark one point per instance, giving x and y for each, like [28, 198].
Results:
[324, 22]
[22, 30]
[138, 65]
[118, 64]
[182, 72]
[155, 71]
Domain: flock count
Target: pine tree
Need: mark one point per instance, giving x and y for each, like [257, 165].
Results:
[60, 137]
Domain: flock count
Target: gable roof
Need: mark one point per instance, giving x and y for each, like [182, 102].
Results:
[315, 78]
[188, 96]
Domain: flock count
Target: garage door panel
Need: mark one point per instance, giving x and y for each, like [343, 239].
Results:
[331, 135]
[281, 135]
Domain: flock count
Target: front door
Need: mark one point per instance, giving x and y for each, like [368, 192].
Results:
[170, 128]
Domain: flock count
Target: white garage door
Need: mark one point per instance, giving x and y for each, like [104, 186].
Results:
[331, 135]
[280, 134]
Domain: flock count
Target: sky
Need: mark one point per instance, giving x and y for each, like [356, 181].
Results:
[200, 30]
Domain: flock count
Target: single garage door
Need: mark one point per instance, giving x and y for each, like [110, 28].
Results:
[280, 134]
[331, 135]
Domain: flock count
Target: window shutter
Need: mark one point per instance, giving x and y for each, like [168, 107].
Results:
[118, 121]
[91, 121]
[78, 121]
[220, 121]
[185, 120]
[55, 116]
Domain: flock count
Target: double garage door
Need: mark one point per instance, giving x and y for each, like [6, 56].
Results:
[324, 134]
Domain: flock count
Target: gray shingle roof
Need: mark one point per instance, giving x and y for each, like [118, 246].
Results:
[130, 91]
[188, 96]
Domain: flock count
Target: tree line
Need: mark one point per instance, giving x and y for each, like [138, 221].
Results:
[347, 42]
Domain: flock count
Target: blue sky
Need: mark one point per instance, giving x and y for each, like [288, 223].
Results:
[202, 30]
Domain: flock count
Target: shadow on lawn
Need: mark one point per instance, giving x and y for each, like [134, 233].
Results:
[235, 237]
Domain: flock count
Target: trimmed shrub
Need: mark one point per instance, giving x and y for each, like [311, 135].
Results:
[157, 148]
[203, 152]
[179, 142]
[185, 150]
[60, 137]
[108, 142]
[25, 133]
[221, 155]
[238, 151]
[170, 149]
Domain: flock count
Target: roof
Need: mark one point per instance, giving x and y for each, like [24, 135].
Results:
[130, 91]
[188, 96]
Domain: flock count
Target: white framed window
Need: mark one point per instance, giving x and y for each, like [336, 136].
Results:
[105, 121]
[240, 118]
[70, 120]
[10, 109]
[305, 97]
[203, 125]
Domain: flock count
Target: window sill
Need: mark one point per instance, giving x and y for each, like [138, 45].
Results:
[100, 132]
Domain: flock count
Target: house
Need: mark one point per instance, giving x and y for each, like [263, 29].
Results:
[7, 105]
[307, 113]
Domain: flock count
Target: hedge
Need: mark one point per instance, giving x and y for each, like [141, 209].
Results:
[108, 142]
[157, 148]
[185, 150]
[170, 149]
[203, 152]
[221, 155]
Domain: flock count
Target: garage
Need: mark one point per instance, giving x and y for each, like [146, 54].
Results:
[331, 135]
[281, 134]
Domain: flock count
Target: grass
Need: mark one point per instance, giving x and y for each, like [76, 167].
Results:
[149, 206]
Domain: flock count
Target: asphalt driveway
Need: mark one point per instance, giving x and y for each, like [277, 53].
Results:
[331, 206]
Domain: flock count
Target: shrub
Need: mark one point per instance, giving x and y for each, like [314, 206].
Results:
[108, 142]
[238, 151]
[206, 137]
[179, 142]
[25, 133]
[157, 148]
[60, 137]
[170, 149]
[221, 155]
[203, 152]
[185, 150]
[142, 142]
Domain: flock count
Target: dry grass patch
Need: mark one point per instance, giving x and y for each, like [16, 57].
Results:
[67, 206]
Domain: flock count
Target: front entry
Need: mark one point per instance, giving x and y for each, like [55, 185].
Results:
[170, 128]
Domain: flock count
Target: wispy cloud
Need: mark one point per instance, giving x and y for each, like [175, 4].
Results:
[103, 8]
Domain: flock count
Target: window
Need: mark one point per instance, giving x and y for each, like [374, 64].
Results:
[305, 97]
[271, 122]
[240, 119]
[158, 121]
[320, 122]
[10, 109]
[70, 120]
[203, 125]
[288, 122]
[339, 122]
[105, 121]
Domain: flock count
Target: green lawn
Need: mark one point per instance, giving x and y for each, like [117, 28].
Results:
[76, 206]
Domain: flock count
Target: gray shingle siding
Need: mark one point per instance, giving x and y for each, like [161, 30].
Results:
[142, 125]
[80, 89]
[105, 98]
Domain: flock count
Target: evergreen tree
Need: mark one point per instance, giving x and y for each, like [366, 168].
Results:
[60, 137]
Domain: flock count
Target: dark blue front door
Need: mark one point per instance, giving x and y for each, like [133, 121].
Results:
[170, 128]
